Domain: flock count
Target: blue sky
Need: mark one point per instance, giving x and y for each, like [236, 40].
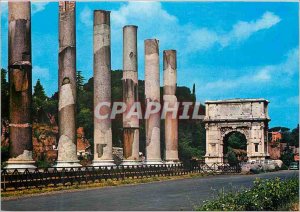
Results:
[229, 50]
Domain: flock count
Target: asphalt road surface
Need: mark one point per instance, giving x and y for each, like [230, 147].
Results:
[182, 194]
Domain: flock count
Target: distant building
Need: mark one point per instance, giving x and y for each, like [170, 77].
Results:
[83, 145]
[277, 146]
[276, 136]
[274, 146]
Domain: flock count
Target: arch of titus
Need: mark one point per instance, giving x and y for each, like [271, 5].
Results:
[247, 116]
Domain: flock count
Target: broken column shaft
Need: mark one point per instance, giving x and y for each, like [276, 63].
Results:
[20, 81]
[102, 90]
[171, 122]
[152, 94]
[130, 96]
[67, 155]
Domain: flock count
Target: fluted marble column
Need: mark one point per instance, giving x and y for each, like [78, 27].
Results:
[152, 94]
[102, 90]
[20, 82]
[130, 96]
[67, 151]
[171, 122]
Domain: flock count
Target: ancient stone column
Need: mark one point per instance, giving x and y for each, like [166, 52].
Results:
[102, 90]
[171, 122]
[19, 60]
[152, 94]
[67, 155]
[130, 96]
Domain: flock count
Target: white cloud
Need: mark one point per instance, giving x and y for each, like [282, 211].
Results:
[38, 7]
[86, 16]
[155, 22]
[141, 11]
[152, 21]
[202, 39]
[3, 9]
[284, 70]
[133, 13]
[276, 74]
[242, 30]
[291, 65]
[263, 74]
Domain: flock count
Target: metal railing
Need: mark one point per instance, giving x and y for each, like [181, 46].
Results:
[38, 178]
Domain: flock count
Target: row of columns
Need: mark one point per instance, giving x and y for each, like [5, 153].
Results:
[20, 91]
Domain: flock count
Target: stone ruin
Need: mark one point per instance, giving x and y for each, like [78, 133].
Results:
[67, 149]
[249, 117]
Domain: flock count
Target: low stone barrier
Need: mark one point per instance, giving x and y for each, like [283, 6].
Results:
[37, 178]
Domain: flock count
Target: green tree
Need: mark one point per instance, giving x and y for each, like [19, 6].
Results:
[117, 96]
[39, 92]
[237, 141]
[4, 95]
[287, 157]
[79, 80]
[231, 157]
[234, 140]
[39, 101]
[279, 129]
[295, 136]
[51, 109]
[85, 120]
[191, 132]
[290, 138]
[79, 90]
[194, 93]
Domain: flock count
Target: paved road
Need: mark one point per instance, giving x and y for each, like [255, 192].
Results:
[181, 194]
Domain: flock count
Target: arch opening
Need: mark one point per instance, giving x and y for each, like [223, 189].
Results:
[234, 147]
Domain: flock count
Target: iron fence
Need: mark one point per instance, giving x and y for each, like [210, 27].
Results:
[38, 178]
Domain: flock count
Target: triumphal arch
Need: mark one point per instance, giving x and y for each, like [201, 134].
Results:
[247, 116]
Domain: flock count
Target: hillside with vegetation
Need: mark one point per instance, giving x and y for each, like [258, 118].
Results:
[191, 133]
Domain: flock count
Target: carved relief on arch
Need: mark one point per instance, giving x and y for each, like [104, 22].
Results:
[226, 130]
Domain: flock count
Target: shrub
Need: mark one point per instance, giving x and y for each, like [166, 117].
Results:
[284, 167]
[4, 153]
[287, 157]
[43, 164]
[232, 159]
[4, 156]
[269, 194]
